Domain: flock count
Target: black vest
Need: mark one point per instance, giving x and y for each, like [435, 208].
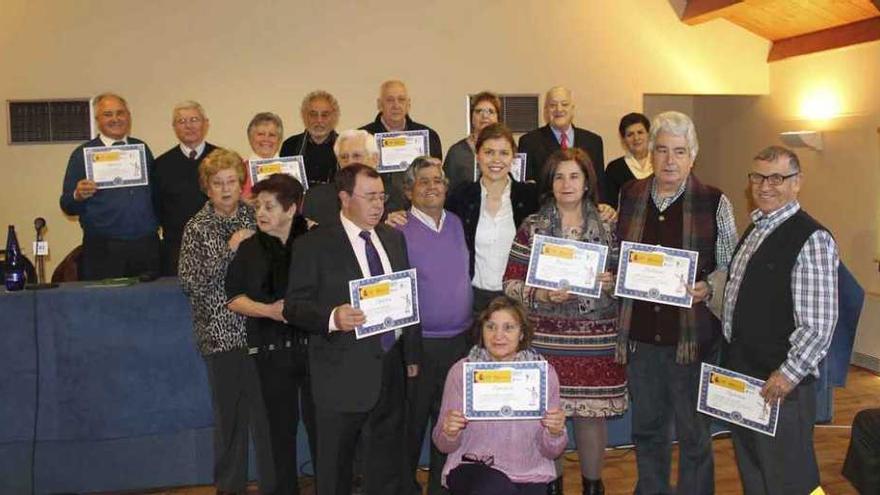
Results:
[763, 318]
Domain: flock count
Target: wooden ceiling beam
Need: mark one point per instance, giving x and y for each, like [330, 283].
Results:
[826, 39]
[700, 11]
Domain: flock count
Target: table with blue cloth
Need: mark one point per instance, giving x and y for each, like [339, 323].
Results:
[103, 390]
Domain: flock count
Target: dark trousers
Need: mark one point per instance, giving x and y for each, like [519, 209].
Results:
[238, 409]
[785, 463]
[286, 388]
[110, 258]
[170, 257]
[862, 465]
[384, 463]
[482, 298]
[479, 479]
[662, 391]
[438, 355]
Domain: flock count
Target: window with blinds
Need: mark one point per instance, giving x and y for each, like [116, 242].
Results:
[48, 121]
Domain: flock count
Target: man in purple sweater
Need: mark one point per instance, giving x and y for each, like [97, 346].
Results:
[437, 250]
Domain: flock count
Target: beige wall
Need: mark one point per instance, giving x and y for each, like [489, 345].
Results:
[239, 58]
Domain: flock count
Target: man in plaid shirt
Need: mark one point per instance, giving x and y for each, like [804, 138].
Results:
[780, 309]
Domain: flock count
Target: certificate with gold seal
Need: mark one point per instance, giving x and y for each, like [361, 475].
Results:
[293, 166]
[505, 390]
[389, 302]
[656, 273]
[736, 398]
[117, 166]
[566, 264]
[398, 149]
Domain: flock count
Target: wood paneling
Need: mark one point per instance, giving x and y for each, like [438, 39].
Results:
[849, 34]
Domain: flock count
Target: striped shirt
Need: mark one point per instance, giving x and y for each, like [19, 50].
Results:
[726, 240]
[813, 290]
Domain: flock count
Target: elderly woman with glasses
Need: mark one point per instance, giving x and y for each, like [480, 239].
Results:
[460, 159]
[210, 240]
[512, 457]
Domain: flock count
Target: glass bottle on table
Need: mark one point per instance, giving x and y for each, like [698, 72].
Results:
[14, 265]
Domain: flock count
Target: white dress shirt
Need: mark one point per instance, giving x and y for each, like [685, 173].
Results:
[198, 149]
[492, 241]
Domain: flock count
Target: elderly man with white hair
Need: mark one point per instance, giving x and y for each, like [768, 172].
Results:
[320, 114]
[178, 195]
[662, 345]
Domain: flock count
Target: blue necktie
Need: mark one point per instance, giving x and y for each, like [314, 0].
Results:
[375, 265]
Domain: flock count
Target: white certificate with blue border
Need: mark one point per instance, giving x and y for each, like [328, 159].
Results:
[517, 168]
[398, 149]
[505, 390]
[656, 273]
[566, 264]
[736, 398]
[117, 166]
[389, 301]
[294, 166]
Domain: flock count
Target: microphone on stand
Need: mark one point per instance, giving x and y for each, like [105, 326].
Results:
[41, 249]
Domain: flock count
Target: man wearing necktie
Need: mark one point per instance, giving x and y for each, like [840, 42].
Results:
[357, 384]
[178, 195]
[119, 224]
[560, 133]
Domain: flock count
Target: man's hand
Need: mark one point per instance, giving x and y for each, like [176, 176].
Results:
[396, 218]
[776, 387]
[237, 237]
[412, 370]
[347, 317]
[85, 189]
[700, 291]
[607, 213]
[554, 421]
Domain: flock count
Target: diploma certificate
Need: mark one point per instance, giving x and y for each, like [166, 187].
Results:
[505, 390]
[389, 302]
[736, 398]
[117, 166]
[558, 264]
[517, 168]
[656, 273]
[293, 166]
[398, 149]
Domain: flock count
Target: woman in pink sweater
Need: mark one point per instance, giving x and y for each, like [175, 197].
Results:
[499, 457]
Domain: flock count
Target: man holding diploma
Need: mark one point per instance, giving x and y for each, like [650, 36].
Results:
[357, 384]
[780, 309]
[663, 345]
[119, 224]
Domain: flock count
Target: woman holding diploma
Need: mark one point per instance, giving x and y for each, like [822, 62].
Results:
[490, 210]
[256, 284]
[210, 240]
[499, 456]
[576, 334]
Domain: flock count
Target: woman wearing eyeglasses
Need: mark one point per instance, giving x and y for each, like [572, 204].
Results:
[492, 456]
[459, 164]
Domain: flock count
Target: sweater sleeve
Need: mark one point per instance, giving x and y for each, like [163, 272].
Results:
[452, 401]
[518, 266]
[75, 173]
[552, 447]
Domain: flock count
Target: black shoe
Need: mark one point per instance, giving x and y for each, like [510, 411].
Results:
[592, 487]
[555, 487]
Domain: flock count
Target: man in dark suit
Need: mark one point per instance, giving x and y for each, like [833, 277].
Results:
[119, 224]
[357, 384]
[559, 133]
[178, 195]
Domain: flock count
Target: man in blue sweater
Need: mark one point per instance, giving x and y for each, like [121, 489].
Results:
[119, 224]
[437, 250]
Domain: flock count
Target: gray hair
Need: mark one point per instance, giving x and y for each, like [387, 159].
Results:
[419, 164]
[318, 94]
[188, 105]
[677, 124]
[103, 96]
[369, 141]
[263, 118]
[391, 82]
[773, 153]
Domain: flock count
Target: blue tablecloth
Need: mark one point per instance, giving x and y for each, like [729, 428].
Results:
[123, 400]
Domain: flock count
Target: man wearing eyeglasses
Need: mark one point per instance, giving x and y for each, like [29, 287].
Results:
[780, 309]
[320, 114]
[119, 224]
[358, 384]
[177, 193]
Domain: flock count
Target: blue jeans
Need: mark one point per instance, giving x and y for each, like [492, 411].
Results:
[662, 391]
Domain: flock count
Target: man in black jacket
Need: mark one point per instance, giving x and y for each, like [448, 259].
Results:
[320, 114]
[394, 105]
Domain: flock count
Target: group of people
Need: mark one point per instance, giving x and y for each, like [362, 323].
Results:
[267, 268]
